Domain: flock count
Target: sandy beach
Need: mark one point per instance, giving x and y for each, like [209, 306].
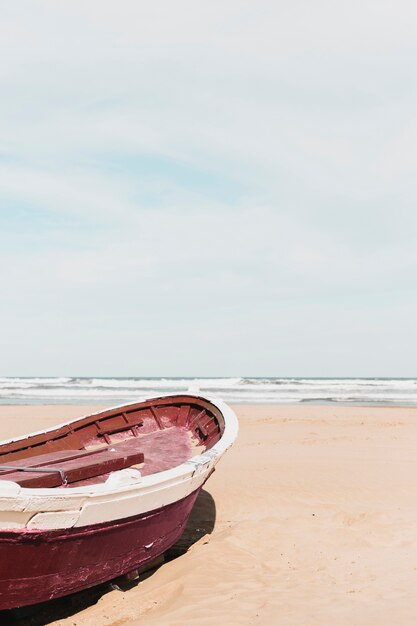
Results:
[311, 519]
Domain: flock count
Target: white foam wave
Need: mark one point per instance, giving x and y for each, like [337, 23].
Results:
[161, 383]
[237, 389]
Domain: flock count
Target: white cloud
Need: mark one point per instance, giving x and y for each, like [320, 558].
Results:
[303, 115]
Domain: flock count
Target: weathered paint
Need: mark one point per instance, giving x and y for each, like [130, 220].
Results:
[38, 565]
[112, 499]
[54, 541]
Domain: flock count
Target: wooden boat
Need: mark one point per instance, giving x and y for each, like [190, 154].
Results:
[101, 496]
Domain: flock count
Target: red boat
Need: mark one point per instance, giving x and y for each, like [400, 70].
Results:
[103, 495]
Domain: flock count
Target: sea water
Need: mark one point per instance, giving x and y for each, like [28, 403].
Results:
[75, 390]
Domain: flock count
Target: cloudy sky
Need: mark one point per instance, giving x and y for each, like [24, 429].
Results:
[208, 188]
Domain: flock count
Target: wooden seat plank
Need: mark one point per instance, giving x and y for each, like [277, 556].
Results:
[78, 469]
[49, 458]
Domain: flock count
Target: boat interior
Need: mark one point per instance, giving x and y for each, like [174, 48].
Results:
[151, 436]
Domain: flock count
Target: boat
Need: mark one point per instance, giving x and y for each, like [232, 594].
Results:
[103, 495]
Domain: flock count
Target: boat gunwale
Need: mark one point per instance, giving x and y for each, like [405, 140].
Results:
[196, 464]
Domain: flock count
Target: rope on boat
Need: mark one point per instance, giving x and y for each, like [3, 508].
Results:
[58, 470]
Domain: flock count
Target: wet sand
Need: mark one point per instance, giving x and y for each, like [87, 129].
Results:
[311, 519]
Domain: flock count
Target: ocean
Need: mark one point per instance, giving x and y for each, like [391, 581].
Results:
[110, 391]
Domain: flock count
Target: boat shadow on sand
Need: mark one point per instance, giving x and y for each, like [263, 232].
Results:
[200, 523]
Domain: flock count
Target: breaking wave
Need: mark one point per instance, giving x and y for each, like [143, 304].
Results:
[76, 390]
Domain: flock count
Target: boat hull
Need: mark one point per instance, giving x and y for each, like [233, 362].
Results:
[39, 565]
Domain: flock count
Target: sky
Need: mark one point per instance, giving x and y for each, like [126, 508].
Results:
[208, 188]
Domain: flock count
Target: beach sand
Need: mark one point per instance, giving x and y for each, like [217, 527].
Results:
[310, 519]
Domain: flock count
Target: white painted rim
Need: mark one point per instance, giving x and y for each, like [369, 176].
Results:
[133, 495]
